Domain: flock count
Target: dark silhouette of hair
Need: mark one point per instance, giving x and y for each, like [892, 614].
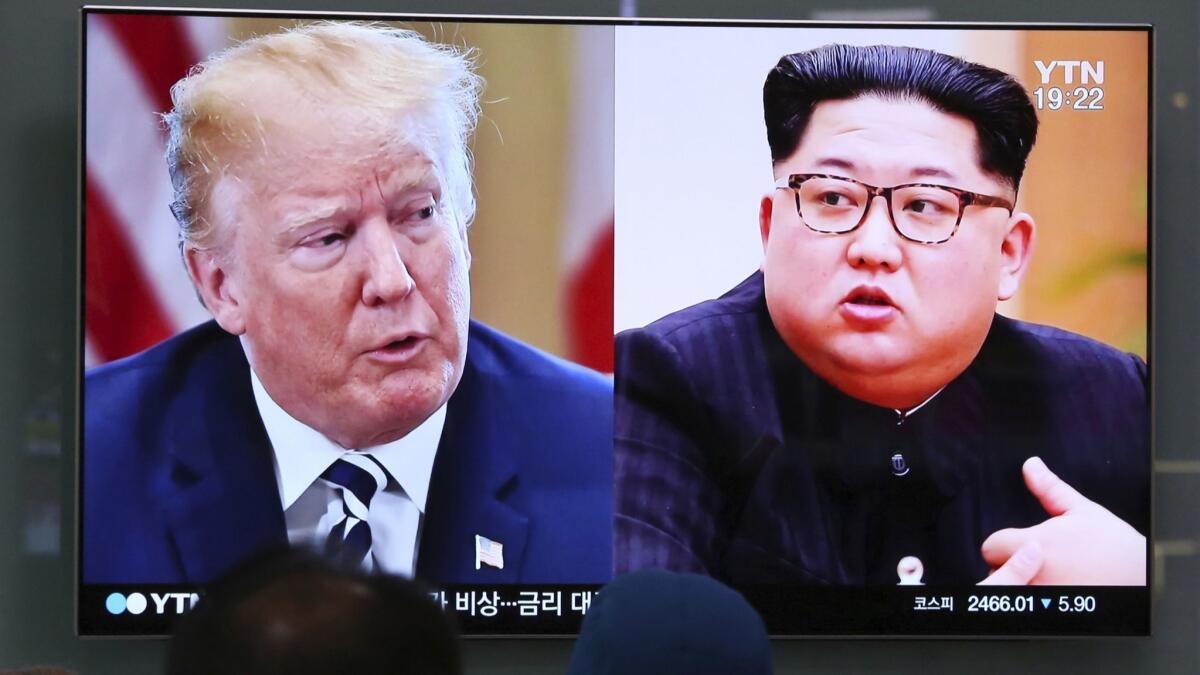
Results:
[992, 100]
[655, 622]
[295, 613]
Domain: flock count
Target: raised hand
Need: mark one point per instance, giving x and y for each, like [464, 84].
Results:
[1081, 544]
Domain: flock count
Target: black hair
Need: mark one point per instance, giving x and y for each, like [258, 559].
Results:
[291, 612]
[992, 100]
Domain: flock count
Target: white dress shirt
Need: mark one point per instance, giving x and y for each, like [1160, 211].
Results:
[313, 506]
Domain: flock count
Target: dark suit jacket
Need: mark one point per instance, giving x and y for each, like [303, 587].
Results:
[733, 459]
[179, 482]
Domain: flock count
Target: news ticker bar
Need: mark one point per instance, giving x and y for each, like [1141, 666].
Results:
[914, 611]
[954, 611]
[154, 609]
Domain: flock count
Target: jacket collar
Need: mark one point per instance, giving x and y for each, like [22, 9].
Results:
[474, 473]
[224, 506]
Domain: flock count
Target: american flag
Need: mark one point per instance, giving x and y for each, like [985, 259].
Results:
[136, 290]
[488, 552]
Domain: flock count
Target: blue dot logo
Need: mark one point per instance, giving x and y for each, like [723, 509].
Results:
[115, 603]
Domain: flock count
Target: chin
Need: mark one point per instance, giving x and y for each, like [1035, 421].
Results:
[390, 415]
[871, 354]
[415, 394]
[870, 375]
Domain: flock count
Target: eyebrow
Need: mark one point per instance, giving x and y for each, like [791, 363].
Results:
[425, 177]
[929, 172]
[305, 218]
[309, 217]
[914, 172]
[835, 163]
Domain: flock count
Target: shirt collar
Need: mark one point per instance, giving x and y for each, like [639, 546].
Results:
[302, 453]
[903, 415]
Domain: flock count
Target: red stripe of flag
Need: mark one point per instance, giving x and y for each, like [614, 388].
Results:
[122, 313]
[590, 305]
[158, 45]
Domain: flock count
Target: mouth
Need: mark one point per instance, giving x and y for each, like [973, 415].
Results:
[401, 343]
[868, 307]
[397, 348]
[871, 296]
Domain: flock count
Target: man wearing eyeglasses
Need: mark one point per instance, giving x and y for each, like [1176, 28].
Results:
[858, 403]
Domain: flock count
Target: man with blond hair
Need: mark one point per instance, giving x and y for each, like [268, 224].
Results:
[341, 398]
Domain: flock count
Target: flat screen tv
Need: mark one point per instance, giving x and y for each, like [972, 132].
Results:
[853, 318]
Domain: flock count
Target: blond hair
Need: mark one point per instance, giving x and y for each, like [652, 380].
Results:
[381, 72]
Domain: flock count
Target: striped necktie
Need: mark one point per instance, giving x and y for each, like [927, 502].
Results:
[358, 478]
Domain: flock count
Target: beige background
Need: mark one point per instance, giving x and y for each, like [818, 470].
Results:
[1086, 187]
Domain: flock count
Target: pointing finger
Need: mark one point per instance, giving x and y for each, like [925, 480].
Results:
[1055, 495]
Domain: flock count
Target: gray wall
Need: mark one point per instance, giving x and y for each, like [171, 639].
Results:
[37, 306]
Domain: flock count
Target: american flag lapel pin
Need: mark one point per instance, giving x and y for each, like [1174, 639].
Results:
[488, 552]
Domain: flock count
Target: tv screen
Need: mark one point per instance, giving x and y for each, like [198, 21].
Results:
[853, 318]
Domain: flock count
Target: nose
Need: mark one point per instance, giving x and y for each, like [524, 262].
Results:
[387, 278]
[876, 244]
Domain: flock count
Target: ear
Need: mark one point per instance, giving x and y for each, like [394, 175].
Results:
[219, 291]
[765, 208]
[1016, 250]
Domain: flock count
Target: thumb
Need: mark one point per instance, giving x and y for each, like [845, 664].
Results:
[1004, 544]
[1055, 495]
[1020, 569]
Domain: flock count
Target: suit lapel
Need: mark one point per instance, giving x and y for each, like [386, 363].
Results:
[226, 505]
[474, 476]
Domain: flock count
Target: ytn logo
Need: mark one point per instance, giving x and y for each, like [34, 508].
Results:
[1090, 72]
[136, 603]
